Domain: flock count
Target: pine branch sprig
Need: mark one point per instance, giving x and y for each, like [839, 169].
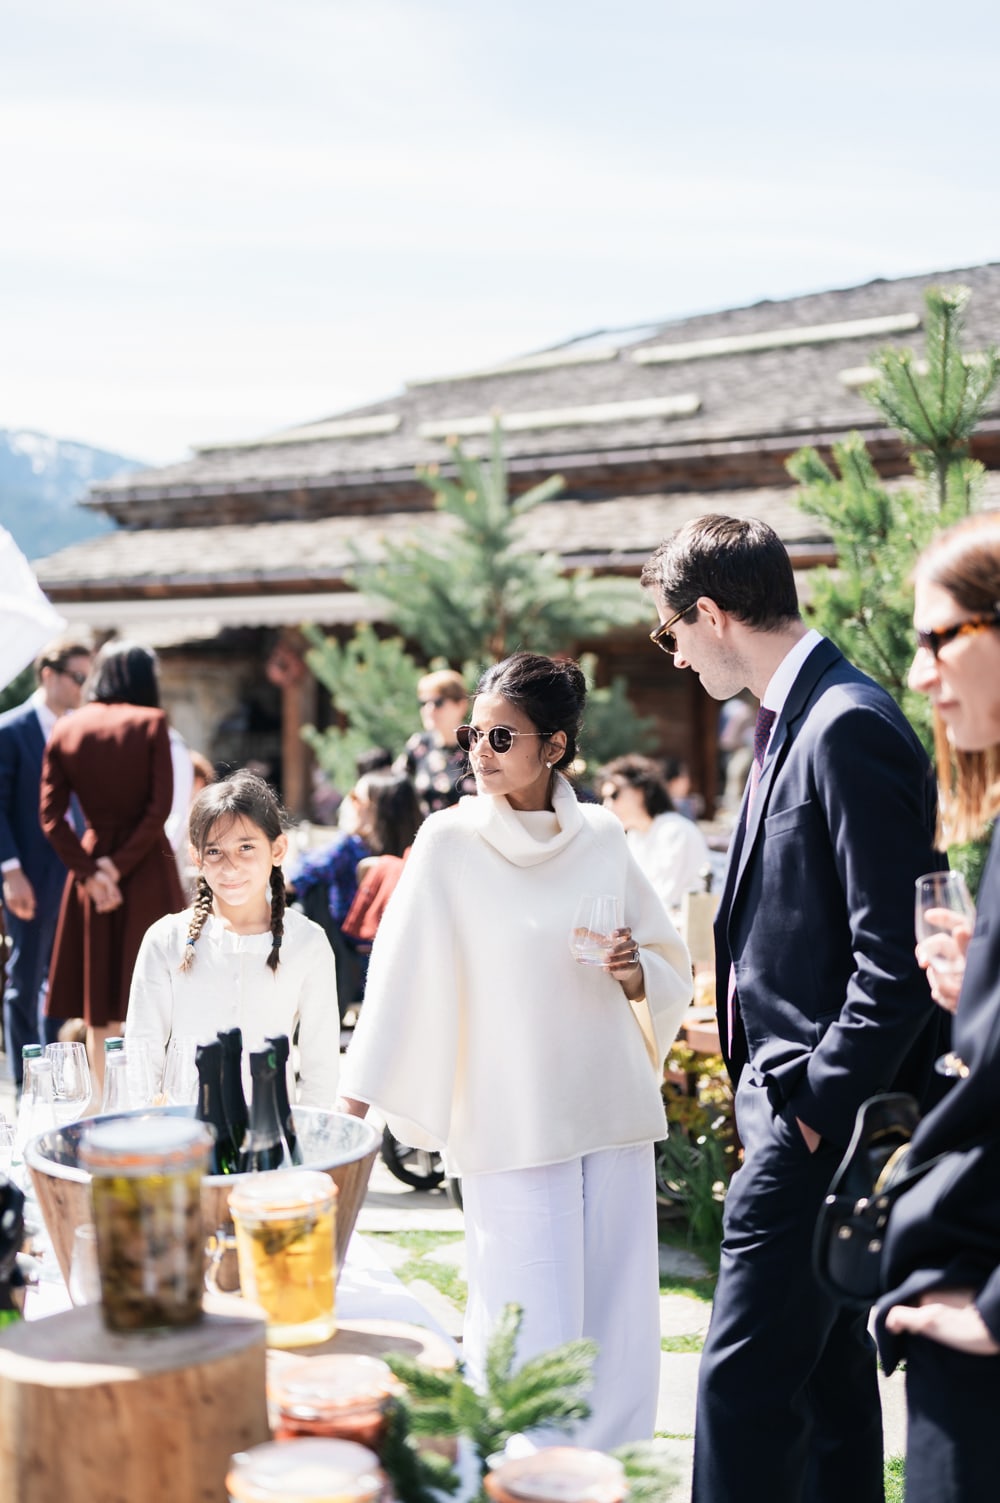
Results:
[416, 1476]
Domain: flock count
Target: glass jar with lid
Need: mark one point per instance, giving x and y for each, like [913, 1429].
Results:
[558, 1474]
[343, 1396]
[311, 1470]
[145, 1189]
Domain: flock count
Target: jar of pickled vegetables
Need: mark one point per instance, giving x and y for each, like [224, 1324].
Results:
[146, 1175]
[307, 1471]
[344, 1397]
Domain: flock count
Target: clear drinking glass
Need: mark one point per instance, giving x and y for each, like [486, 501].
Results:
[72, 1085]
[944, 908]
[594, 923]
[180, 1074]
[143, 1071]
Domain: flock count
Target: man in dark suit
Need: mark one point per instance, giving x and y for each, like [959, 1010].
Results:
[820, 1005]
[33, 875]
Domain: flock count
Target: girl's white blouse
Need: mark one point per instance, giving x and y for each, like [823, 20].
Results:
[230, 985]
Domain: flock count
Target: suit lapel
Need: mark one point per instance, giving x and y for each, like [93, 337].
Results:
[799, 698]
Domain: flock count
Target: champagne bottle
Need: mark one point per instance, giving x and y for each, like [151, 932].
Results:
[263, 1147]
[281, 1050]
[208, 1062]
[234, 1103]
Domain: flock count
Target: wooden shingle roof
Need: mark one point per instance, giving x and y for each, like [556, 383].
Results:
[591, 407]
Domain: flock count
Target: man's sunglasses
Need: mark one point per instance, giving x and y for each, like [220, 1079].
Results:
[435, 703]
[933, 641]
[500, 737]
[662, 636]
[74, 673]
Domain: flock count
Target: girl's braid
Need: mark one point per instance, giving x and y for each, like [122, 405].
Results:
[277, 915]
[202, 908]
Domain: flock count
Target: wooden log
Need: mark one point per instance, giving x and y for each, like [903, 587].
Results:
[88, 1416]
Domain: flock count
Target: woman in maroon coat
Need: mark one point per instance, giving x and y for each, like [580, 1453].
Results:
[114, 755]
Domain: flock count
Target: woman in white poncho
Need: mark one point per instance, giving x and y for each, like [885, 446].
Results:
[539, 1078]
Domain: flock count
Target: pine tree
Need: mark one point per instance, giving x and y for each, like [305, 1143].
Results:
[866, 605]
[468, 600]
[373, 684]
[478, 593]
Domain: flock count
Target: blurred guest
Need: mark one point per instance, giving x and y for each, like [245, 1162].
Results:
[33, 875]
[670, 849]
[204, 773]
[942, 1246]
[433, 758]
[324, 882]
[677, 776]
[114, 755]
[395, 819]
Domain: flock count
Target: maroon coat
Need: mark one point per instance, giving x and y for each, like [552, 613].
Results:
[116, 759]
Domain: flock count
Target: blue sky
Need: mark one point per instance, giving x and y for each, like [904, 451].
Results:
[222, 218]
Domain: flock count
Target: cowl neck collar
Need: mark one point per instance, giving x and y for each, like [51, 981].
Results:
[500, 826]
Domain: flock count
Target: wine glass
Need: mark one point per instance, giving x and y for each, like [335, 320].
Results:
[72, 1085]
[7, 1136]
[943, 911]
[595, 920]
[180, 1075]
[143, 1069]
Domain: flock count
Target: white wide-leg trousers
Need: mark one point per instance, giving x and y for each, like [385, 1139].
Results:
[575, 1245]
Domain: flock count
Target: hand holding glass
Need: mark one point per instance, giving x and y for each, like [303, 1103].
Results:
[594, 923]
[945, 916]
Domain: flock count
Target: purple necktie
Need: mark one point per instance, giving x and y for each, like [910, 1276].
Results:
[761, 736]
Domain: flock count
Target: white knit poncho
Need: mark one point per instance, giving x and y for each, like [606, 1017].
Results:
[480, 1034]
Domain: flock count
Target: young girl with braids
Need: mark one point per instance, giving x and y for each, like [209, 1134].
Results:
[237, 957]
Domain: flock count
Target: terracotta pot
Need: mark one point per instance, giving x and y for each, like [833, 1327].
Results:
[343, 1147]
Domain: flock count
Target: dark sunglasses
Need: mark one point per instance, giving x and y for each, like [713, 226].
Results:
[663, 638]
[436, 703]
[500, 737]
[933, 641]
[74, 673]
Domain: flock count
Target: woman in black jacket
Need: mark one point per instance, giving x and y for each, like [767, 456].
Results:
[943, 1247]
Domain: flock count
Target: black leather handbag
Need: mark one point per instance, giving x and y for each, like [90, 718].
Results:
[850, 1228]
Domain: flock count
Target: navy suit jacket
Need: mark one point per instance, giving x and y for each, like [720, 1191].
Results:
[22, 747]
[946, 1230]
[816, 915]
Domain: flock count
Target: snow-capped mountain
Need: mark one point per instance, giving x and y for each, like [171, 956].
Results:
[42, 480]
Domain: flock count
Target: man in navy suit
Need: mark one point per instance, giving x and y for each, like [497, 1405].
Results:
[820, 1004]
[33, 875]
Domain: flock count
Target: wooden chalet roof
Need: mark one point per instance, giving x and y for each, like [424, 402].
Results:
[649, 427]
[700, 394]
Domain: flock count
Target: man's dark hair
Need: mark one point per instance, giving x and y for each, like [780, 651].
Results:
[740, 563]
[57, 654]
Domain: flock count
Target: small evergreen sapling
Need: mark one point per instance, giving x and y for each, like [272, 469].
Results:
[546, 1390]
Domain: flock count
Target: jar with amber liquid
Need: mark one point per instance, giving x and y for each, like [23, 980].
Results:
[344, 1397]
[284, 1224]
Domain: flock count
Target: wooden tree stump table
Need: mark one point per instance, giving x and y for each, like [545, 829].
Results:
[88, 1416]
